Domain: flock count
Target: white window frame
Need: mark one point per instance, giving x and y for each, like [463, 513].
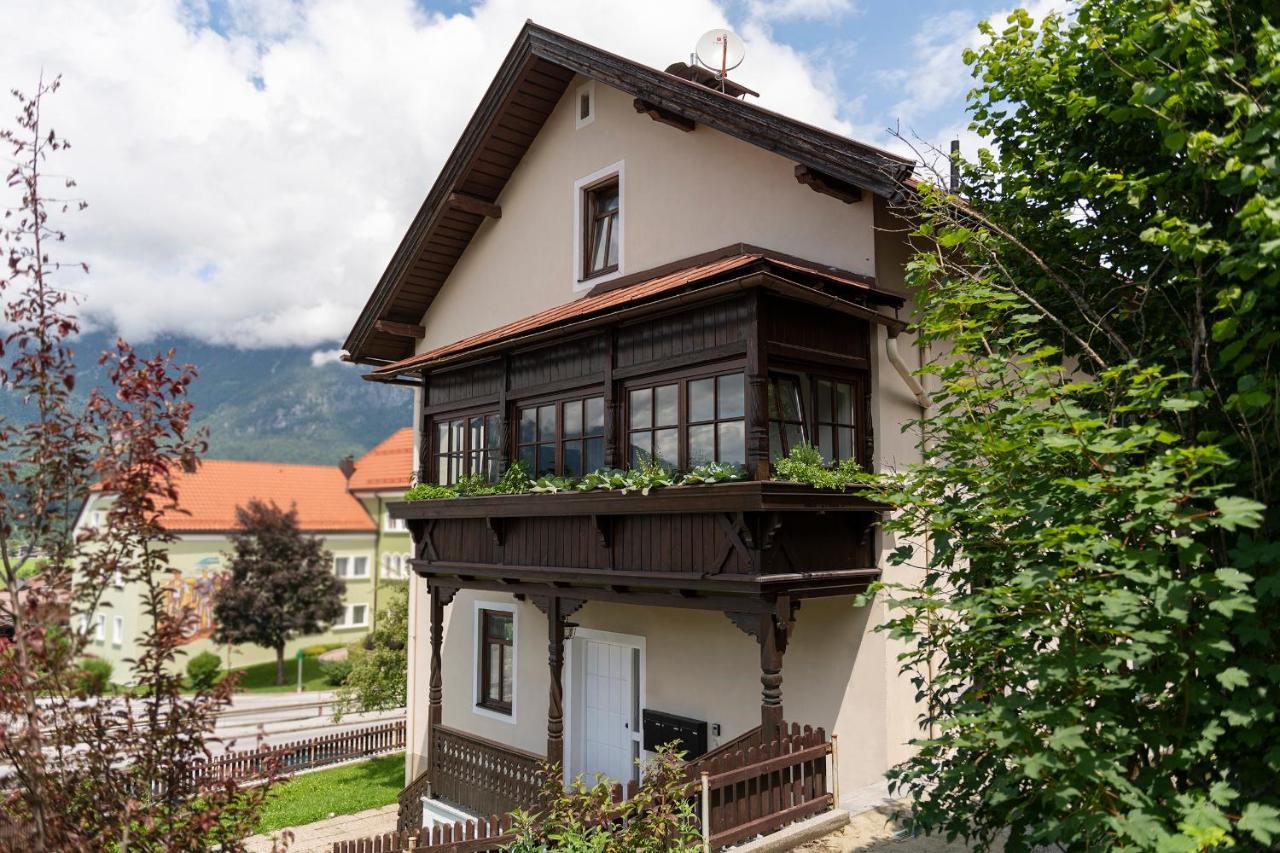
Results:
[117, 631]
[348, 612]
[589, 89]
[117, 580]
[477, 625]
[618, 169]
[391, 524]
[100, 628]
[349, 560]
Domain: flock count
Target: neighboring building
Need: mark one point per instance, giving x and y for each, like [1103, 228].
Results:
[380, 477]
[617, 261]
[327, 505]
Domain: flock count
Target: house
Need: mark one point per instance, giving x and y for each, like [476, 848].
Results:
[346, 512]
[619, 263]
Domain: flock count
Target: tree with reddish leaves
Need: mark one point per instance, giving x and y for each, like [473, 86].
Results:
[280, 585]
[84, 773]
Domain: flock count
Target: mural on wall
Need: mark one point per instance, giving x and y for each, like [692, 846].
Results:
[194, 595]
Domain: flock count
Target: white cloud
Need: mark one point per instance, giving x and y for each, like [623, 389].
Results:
[321, 357]
[778, 10]
[249, 188]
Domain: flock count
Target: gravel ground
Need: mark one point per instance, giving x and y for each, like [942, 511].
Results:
[873, 831]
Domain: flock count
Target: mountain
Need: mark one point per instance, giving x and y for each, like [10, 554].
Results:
[267, 404]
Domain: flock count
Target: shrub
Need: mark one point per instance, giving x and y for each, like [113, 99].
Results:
[94, 677]
[318, 649]
[581, 817]
[335, 672]
[203, 670]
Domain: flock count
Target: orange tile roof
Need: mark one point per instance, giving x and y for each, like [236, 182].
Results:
[602, 302]
[388, 466]
[208, 498]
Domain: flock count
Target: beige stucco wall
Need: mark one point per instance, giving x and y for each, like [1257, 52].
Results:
[683, 193]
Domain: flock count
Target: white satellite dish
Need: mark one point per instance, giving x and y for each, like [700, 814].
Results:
[721, 51]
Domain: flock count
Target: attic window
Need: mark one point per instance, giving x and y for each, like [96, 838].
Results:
[585, 104]
[600, 204]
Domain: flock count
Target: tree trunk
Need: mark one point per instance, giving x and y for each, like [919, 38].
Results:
[279, 666]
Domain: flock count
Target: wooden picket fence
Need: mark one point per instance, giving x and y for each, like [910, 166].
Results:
[750, 789]
[289, 758]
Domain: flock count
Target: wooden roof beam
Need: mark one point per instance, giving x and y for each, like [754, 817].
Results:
[663, 116]
[471, 204]
[400, 330]
[827, 185]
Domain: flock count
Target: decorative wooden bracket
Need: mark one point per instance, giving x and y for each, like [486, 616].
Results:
[604, 530]
[738, 533]
[748, 623]
[426, 545]
[471, 204]
[400, 330]
[497, 529]
[568, 606]
[827, 185]
[447, 591]
[662, 116]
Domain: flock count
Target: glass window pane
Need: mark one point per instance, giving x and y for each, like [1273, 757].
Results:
[789, 405]
[491, 432]
[775, 443]
[528, 425]
[458, 428]
[571, 465]
[702, 444]
[572, 419]
[508, 677]
[595, 454]
[795, 435]
[846, 442]
[495, 659]
[546, 459]
[826, 445]
[844, 403]
[773, 401]
[612, 259]
[547, 423]
[665, 410]
[641, 406]
[666, 447]
[530, 456]
[606, 198]
[442, 437]
[733, 443]
[702, 400]
[442, 469]
[641, 447]
[824, 401]
[477, 433]
[598, 258]
[731, 396]
[595, 416]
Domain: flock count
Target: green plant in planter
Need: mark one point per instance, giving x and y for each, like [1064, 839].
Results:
[804, 464]
[516, 480]
[551, 485]
[713, 472]
[429, 492]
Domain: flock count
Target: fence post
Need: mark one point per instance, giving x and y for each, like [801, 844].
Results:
[835, 770]
[706, 813]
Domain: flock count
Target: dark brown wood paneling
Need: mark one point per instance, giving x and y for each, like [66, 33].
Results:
[676, 336]
[561, 362]
[466, 383]
[800, 325]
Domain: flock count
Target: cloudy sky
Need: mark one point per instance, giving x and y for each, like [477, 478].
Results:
[251, 164]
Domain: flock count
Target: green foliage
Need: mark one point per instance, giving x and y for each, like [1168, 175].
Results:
[713, 472]
[1091, 627]
[93, 677]
[429, 492]
[203, 670]
[804, 464]
[584, 819]
[378, 677]
[320, 648]
[336, 672]
[515, 480]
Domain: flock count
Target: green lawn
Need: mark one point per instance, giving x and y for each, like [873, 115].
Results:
[261, 678]
[342, 790]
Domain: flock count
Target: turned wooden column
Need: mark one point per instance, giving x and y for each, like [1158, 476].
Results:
[435, 689]
[555, 661]
[772, 645]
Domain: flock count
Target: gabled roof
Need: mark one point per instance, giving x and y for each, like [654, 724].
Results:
[387, 467]
[523, 94]
[700, 277]
[207, 498]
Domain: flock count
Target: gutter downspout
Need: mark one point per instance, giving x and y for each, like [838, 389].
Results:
[895, 358]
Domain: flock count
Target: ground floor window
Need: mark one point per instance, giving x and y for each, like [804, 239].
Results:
[496, 677]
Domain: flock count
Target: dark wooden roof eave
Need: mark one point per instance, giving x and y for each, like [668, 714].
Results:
[549, 56]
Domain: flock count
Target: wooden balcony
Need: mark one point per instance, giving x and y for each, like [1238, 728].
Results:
[705, 544]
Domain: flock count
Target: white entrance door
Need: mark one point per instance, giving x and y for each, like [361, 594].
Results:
[605, 717]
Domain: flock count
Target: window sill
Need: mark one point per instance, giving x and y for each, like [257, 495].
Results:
[506, 717]
[363, 627]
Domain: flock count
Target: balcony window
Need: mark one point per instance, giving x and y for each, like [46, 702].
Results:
[716, 430]
[688, 422]
[564, 438]
[786, 415]
[467, 446]
[835, 418]
[653, 418]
